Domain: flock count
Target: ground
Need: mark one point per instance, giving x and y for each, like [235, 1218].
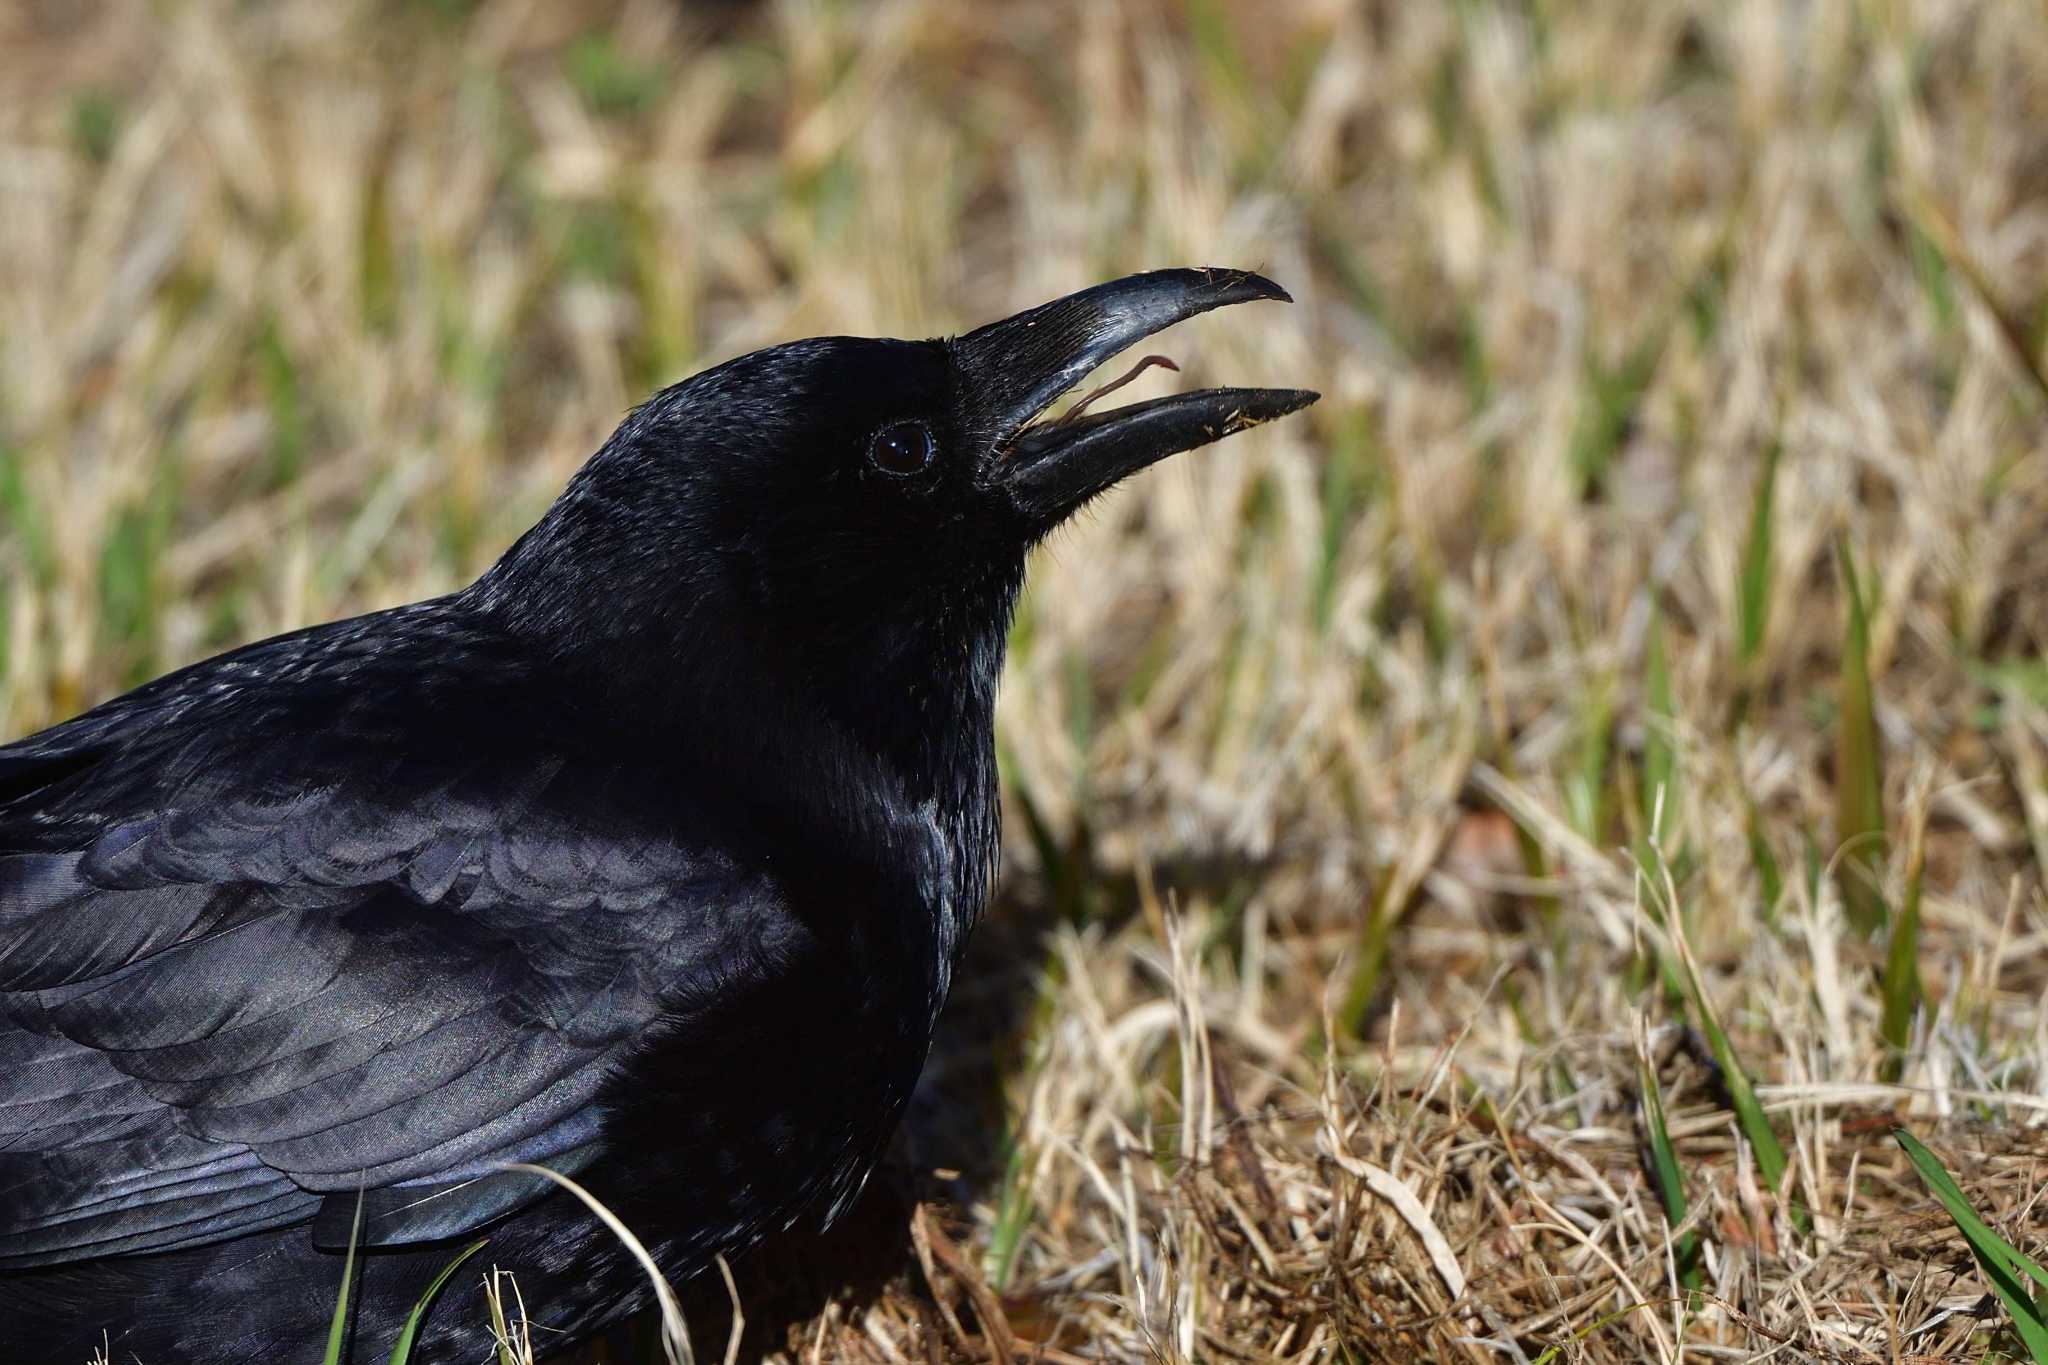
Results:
[1489, 862]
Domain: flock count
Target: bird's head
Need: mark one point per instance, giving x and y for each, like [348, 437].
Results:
[843, 500]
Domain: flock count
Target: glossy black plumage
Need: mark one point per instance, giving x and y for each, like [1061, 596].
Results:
[647, 857]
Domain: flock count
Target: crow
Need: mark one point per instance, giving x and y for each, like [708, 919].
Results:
[647, 857]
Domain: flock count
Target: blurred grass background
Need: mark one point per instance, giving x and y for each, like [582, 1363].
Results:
[1488, 860]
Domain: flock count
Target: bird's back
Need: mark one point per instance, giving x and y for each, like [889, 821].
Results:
[381, 905]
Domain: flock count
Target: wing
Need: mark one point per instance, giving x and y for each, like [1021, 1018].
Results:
[307, 920]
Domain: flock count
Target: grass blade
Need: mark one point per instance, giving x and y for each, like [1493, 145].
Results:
[501, 1331]
[1901, 987]
[337, 1330]
[1609, 400]
[1749, 1113]
[1664, 1167]
[1585, 789]
[1661, 906]
[1586, 1333]
[675, 1337]
[401, 1351]
[1770, 878]
[1392, 899]
[1859, 771]
[1753, 584]
[1374, 938]
[2005, 1266]
[1013, 1215]
[1660, 752]
[1942, 241]
[1347, 482]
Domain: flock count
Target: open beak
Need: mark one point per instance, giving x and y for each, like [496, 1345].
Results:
[1019, 366]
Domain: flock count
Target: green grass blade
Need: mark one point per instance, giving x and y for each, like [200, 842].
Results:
[1586, 1333]
[1753, 584]
[1930, 267]
[1662, 903]
[377, 264]
[1669, 1175]
[2003, 1264]
[1859, 771]
[613, 80]
[402, 1351]
[337, 1330]
[2023, 679]
[1749, 1113]
[1609, 399]
[1901, 984]
[1585, 789]
[1014, 1208]
[1660, 754]
[23, 519]
[1770, 878]
[1375, 936]
[96, 123]
[285, 397]
[1944, 1187]
[1347, 479]
[1052, 857]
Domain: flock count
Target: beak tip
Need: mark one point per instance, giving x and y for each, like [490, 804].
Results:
[1240, 286]
[1281, 402]
[1286, 402]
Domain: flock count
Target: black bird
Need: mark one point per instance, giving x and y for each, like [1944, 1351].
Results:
[648, 857]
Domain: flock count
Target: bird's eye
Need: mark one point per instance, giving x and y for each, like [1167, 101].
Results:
[902, 449]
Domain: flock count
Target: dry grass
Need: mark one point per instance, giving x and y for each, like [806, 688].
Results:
[312, 305]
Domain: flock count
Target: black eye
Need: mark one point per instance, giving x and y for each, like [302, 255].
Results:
[901, 448]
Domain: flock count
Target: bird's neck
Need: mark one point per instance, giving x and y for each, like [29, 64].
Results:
[922, 702]
[844, 730]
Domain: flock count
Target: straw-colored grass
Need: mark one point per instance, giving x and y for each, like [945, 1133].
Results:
[1317, 1018]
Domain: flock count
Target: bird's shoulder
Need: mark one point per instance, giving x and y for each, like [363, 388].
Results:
[367, 904]
[312, 699]
[424, 759]
[419, 753]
